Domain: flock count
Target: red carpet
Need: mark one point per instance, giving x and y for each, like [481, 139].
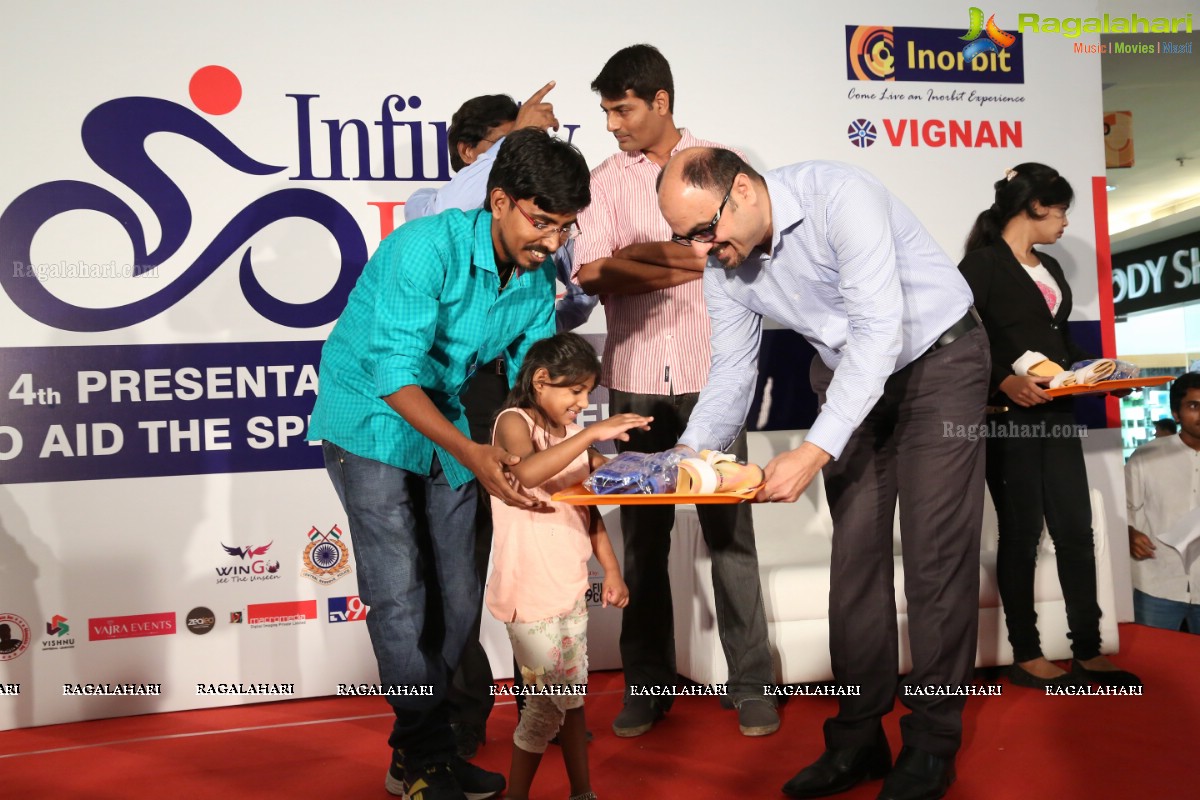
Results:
[1022, 744]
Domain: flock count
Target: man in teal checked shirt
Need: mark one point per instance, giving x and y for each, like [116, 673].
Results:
[441, 296]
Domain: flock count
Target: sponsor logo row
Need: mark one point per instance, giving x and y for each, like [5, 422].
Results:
[323, 560]
[16, 634]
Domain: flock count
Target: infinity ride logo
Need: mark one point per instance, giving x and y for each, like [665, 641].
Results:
[114, 136]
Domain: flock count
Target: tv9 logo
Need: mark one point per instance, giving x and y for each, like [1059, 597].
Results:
[347, 609]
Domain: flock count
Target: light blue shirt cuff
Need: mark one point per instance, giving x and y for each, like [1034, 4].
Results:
[830, 434]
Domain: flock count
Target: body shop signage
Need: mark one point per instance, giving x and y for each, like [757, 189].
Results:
[1157, 276]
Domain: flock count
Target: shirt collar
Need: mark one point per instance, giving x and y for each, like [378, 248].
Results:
[485, 252]
[786, 211]
[686, 140]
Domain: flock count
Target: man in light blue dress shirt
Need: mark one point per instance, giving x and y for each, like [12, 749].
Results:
[477, 131]
[825, 249]
[473, 151]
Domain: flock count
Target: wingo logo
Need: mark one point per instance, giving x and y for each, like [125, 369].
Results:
[257, 570]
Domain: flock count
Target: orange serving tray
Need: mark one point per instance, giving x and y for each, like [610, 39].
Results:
[579, 496]
[1111, 386]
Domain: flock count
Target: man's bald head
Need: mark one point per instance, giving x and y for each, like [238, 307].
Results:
[700, 189]
[710, 168]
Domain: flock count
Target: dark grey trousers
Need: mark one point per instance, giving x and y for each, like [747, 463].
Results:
[918, 445]
[648, 625]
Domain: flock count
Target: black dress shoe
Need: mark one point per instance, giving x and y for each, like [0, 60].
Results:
[1105, 677]
[841, 769]
[1019, 676]
[918, 776]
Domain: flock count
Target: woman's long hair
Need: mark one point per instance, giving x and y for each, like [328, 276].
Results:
[1016, 192]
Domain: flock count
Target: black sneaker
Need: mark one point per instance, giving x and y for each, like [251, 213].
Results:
[433, 782]
[394, 782]
[476, 783]
[467, 739]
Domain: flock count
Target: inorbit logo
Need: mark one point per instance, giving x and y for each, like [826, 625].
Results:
[993, 39]
[900, 53]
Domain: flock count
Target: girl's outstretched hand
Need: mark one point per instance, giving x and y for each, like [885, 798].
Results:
[615, 427]
[616, 593]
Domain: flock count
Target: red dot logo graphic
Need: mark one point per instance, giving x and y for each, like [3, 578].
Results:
[215, 90]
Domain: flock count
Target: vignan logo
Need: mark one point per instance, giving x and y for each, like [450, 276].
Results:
[995, 40]
[891, 53]
[938, 133]
[1072, 27]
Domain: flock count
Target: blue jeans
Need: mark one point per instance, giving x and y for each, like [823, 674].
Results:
[414, 548]
[1160, 613]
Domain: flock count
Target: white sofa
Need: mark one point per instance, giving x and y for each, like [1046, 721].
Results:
[793, 549]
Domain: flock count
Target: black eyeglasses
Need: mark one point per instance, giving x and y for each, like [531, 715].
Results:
[545, 228]
[709, 233]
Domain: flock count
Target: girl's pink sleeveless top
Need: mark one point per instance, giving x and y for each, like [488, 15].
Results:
[540, 558]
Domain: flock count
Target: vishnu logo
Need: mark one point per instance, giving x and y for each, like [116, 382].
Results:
[994, 41]
[862, 133]
[115, 135]
[872, 53]
[57, 626]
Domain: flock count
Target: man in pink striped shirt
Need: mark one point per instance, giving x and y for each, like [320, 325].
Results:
[656, 359]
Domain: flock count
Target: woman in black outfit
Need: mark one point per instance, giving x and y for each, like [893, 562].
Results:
[1036, 472]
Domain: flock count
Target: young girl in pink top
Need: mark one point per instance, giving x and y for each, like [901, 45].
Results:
[540, 556]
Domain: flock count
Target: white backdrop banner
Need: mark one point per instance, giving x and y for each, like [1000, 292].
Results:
[188, 196]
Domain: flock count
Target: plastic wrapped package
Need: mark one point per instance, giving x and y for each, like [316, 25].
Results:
[637, 473]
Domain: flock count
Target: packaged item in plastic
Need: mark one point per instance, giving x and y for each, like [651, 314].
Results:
[637, 473]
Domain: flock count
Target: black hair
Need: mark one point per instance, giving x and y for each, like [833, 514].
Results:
[1166, 425]
[639, 68]
[474, 118]
[533, 165]
[1180, 387]
[713, 168]
[566, 356]
[1016, 192]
